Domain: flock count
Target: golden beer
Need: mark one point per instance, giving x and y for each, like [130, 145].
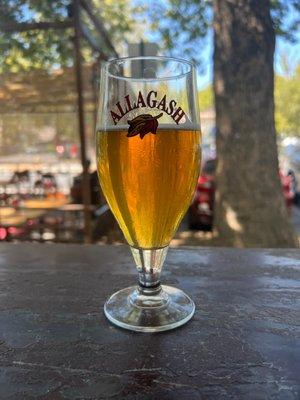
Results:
[149, 182]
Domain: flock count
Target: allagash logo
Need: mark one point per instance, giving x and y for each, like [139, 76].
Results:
[146, 123]
[143, 124]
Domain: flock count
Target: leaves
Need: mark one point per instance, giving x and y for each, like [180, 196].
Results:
[287, 103]
[286, 18]
[206, 98]
[54, 48]
[183, 25]
[180, 25]
[143, 124]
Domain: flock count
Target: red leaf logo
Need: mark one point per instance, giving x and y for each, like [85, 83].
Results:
[143, 124]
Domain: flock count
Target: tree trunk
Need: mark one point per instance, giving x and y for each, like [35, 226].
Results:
[250, 209]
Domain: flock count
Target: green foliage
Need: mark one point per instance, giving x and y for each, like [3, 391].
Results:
[118, 18]
[53, 48]
[287, 103]
[206, 98]
[180, 25]
[286, 20]
[184, 24]
[33, 49]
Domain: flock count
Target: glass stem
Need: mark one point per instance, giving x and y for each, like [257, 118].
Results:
[149, 280]
[149, 264]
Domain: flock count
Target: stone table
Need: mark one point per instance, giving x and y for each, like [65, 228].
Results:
[55, 343]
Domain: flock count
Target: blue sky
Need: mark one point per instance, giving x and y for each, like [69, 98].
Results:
[283, 48]
[291, 51]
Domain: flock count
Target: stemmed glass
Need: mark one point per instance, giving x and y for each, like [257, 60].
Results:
[148, 158]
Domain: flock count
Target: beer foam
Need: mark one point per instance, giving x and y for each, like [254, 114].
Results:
[187, 126]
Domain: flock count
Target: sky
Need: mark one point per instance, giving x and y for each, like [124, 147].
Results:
[284, 48]
[292, 51]
[205, 72]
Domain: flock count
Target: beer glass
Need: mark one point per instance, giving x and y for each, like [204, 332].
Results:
[148, 160]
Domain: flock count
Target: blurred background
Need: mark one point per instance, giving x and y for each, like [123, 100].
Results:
[248, 193]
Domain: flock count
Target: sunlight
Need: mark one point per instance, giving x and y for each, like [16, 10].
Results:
[232, 220]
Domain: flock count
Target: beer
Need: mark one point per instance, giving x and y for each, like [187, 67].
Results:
[148, 182]
[148, 159]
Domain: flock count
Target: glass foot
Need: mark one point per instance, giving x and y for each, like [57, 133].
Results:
[149, 309]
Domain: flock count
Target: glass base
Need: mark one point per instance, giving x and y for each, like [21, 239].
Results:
[144, 309]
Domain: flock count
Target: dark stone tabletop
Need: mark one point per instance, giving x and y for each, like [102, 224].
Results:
[55, 343]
